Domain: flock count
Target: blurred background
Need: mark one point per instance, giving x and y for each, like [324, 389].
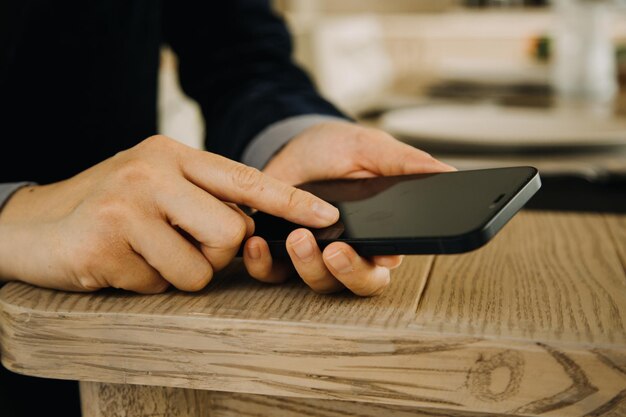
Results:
[477, 83]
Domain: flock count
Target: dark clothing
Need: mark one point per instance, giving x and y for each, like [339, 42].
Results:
[78, 79]
[78, 83]
[23, 396]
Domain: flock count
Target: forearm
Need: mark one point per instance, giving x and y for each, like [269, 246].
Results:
[9, 232]
[7, 190]
[29, 232]
[11, 238]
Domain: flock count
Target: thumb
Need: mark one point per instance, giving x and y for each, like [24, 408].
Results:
[385, 155]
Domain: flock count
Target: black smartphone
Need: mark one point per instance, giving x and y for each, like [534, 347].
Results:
[441, 213]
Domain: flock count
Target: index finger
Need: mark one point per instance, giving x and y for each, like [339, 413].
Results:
[238, 183]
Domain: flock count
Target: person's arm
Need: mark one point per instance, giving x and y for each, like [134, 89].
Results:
[335, 150]
[6, 192]
[235, 59]
[8, 189]
[148, 217]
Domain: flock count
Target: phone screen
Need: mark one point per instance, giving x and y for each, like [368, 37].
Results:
[408, 207]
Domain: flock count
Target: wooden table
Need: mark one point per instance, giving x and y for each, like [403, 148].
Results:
[531, 324]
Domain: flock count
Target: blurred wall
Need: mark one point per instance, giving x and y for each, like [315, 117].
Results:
[422, 41]
[358, 51]
[363, 6]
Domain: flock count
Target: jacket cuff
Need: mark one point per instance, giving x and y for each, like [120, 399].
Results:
[267, 143]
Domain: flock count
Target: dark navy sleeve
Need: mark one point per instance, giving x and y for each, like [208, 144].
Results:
[235, 59]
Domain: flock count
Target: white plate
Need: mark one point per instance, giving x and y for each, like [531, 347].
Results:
[457, 127]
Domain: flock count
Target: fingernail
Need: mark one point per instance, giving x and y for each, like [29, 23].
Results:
[254, 251]
[326, 212]
[340, 262]
[303, 248]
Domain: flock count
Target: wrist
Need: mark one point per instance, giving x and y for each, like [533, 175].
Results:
[304, 157]
[20, 231]
[33, 236]
[15, 204]
[265, 145]
[284, 166]
[22, 256]
[8, 253]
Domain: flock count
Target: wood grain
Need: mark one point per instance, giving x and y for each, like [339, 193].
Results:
[109, 400]
[531, 324]
[617, 229]
[117, 400]
[233, 294]
[551, 277]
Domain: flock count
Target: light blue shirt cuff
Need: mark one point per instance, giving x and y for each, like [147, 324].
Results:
[271, 139]
[7, 190]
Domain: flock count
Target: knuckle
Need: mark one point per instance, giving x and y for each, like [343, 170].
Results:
[364, 134]
[88, 283]
[404, 162]
[120, 281]
[362, 140]
[112, 213]
[135, 171]
[235, 231]
[204, 277]
[246, 177]
[87, 260]
[157, 141]
[157, 146]
[250, 226]
[292, 200]
[296, 198]
[143, 280]
[161, 287]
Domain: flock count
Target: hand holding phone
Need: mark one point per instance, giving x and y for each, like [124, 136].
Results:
[449, 212]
